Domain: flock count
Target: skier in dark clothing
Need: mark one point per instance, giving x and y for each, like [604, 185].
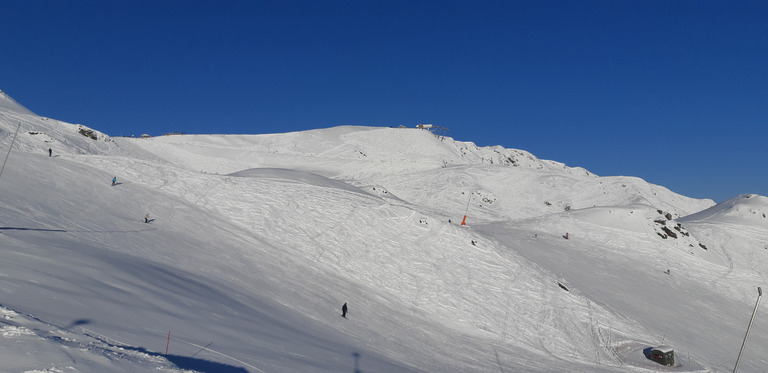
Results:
[50, 152]
[344, 311]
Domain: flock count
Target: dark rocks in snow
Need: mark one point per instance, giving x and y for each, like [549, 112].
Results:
[88, 133]
[669, 232]
[666, 232]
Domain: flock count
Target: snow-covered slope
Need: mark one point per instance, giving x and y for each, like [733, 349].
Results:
[7, 103]
[434, 172]
[746, 209]
[257, 240]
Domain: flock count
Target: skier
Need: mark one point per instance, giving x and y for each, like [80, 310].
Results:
[566, 235]
[344, 311]
[50, 152]
[114, 180]
[146, 218]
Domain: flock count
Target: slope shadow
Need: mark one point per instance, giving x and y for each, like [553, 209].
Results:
[182, 362]
[200, 365]
[190, 363]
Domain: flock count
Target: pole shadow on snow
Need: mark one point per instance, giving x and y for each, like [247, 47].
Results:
[75, 231]
[498, 362]
[31, 229]
[356, 355]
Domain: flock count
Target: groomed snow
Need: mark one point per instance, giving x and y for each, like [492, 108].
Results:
[257, 240]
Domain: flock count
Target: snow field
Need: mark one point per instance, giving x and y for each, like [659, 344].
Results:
[258, 240]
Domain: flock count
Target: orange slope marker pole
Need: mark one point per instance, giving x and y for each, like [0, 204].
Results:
[464, 221]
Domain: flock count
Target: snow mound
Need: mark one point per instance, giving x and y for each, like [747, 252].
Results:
[745, 209]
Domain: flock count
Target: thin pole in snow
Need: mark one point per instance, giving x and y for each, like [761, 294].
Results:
[168, 343]
[759, 294]
[464, 221]
[9, 149]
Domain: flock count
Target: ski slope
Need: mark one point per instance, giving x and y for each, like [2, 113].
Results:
[257, 240]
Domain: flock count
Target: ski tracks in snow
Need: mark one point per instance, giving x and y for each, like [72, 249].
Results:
[729, 260]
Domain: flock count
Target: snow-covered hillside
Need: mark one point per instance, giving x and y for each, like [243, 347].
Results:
[255, 242]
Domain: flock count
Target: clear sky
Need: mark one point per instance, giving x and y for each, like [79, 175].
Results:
[674, 92]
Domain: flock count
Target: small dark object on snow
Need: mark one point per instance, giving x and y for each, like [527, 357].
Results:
[563, 287]
[50, 152]
[344, 311]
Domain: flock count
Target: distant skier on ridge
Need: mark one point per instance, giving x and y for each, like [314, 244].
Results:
[344, 311]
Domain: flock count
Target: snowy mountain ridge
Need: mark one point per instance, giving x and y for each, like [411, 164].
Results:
[9, 104]
[255, 241]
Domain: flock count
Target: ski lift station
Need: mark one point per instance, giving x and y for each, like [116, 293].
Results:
[663, 355]
[438, 131]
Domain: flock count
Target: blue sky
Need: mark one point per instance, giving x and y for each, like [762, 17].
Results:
[674, 92]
